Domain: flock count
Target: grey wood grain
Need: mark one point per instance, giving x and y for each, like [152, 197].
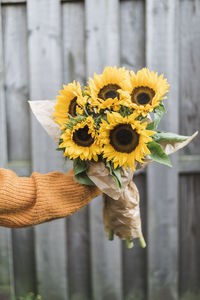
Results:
[73, 15]
[16, 82]
[102, 34]
[189, 70]
[24, 1]
[135, 260]
[189, 163]
[6, 278]
[162, 56]
[6, 271]
[3, 127]
[18, 124]
[78, 224]
[102, 48]
[13, 1]
[45, 56]
[79, 255]
[24, 261]
[132, 30]
[189, 260]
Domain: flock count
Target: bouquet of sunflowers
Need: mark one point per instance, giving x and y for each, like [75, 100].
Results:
[109, 130]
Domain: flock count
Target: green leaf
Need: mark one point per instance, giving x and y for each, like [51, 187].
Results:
[169, 136]
[116, 174]
[80, 175]
[117, 177]
[158, 113]
[162, 107]
[158, 154]
[157, 117]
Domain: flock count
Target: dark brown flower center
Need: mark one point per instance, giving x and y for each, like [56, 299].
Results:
[72, 107]
[142, 95]
[124, 138]
[109, 91]
[82, 138]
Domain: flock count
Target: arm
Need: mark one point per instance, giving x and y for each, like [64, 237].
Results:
[26, 201]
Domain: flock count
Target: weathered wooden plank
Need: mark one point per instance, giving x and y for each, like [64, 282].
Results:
[6, 282]
[189, 237]
[79, 256]
[24, 1]
[77, 225]
[189, 185]
[162, 56]
[16, 82]
[132, 34]
[44, 25]
[102, 34]
[74, 42]
[13, 1]
[72, 1]
[133, 58]
[102, 48]
[189, 164]
[3, 132]
[189, 70]
[24, 261]
[63, 1]
[16, 87]
[135, 260]
[20, 167]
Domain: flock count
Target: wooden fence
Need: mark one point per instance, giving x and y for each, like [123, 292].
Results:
[44, 43]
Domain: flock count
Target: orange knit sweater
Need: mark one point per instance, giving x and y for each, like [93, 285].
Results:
[26, 201]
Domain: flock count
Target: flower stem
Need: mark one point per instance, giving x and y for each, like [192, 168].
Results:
[111, 234]
[142, 242]
[129, 243]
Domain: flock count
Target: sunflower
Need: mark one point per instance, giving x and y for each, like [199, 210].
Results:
[104, 88]
[124, 140]
[146, 90]
[68, 102]
[81, 141]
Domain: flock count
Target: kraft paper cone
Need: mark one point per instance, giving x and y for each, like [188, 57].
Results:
[123, 215]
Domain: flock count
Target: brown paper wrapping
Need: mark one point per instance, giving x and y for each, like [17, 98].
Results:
[123, 215]
[100, 175]
[121, 211]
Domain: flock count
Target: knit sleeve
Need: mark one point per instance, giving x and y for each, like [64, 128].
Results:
[26, 201]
